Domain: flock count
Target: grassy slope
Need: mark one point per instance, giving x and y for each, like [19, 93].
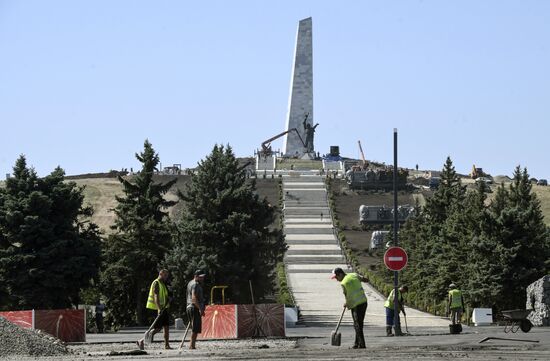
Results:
[542, 192]
[347, 205]
[100, 194]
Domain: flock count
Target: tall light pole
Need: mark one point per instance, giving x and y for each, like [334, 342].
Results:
[397, 323]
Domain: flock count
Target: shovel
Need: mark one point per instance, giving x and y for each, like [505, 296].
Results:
[148, 337]
[336, 337]
[184, 336]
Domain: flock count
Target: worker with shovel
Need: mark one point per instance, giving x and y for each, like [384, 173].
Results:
[195, 306]
[356, 301]
[158, 302]
[390, 311]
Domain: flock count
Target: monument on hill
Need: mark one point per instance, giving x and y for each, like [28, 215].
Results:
[300, 103]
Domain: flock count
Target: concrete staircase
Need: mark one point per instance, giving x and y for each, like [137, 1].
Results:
[313, 252]
[313, 249]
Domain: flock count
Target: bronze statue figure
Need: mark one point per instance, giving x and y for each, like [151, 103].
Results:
[310, 132]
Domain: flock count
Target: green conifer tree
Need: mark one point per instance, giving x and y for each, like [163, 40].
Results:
[524, 238]
[225, 229]
[134, 253]
[48, 248]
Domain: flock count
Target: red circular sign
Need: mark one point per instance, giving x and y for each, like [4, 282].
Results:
[395, 258]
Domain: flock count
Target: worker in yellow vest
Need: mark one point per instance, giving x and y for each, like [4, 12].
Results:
[158, 302]
[390, 310]
[356, 301]
[455, 304]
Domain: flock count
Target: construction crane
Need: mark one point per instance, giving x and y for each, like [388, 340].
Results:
[266, 145]
[364, 163]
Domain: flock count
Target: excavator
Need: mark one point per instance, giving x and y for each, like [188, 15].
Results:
[477, 172]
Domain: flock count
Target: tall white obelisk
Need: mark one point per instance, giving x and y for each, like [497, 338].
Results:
[300, 103]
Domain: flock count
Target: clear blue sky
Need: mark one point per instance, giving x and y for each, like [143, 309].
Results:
[83, 83]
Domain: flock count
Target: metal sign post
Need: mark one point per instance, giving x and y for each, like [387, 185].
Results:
[397, 323]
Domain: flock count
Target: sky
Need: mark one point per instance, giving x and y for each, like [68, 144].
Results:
[84, 83]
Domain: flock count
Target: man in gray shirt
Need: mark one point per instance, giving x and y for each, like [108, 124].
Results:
[195, 305]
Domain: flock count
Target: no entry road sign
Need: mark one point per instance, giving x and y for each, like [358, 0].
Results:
[395, 258]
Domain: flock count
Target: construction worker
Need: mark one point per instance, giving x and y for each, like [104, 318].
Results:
[455, 304]
[157, 301]
[390, 309]
[356, 301]
[195, 305]
[99, 309]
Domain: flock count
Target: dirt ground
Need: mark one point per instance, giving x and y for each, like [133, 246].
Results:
[100, 194]
[347, 205]
[314, 344]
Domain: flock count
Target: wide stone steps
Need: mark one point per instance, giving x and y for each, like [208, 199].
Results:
[304, 185]
[305, 204]
[318, 252]
[289, 231]
[308, 219]
[305, 177]
[305, 249]
[317, 259]
[309, 226]
[307, 212]
[311, 236]
[304, 219]
[313, 250]
[310, 242]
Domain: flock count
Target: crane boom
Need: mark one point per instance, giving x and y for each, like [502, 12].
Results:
[362, 154]
[266, 145]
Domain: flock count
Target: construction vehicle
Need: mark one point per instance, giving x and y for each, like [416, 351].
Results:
[477, 172]
[266, 150]
[364, 164]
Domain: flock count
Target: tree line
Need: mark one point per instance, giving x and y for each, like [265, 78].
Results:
[53, 256]
[492, 248]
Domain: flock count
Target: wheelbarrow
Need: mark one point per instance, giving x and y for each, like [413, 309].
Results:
[516, 320]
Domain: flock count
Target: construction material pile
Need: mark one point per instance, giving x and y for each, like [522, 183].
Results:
[17, 341]
[538, 300]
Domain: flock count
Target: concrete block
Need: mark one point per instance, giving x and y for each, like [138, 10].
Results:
[482, 316]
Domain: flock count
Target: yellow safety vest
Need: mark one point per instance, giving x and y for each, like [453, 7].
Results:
[355, 295]
[456, 299]
[163, 295]
[389, 301]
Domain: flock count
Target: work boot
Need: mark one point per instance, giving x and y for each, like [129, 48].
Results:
[388, 331]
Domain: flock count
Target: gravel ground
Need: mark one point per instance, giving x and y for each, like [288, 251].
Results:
[237, 349]
[17, 341]
[313, 343]
[292, 350]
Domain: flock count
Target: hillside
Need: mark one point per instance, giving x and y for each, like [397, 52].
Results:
[100, 194]
[347, 203]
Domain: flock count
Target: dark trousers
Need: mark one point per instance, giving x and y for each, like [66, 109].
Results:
[358, 314]
[99, 322]
[390, 316]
